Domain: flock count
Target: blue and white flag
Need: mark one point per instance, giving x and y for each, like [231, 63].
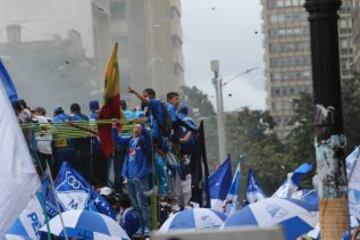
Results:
[231, 201]
[73, 192]
[7, 83]
[19, 179]
[351, 161]
[292, 182]
[219, 182]
[32, 217]
[353, 173]
[254, 192]
[30, 220]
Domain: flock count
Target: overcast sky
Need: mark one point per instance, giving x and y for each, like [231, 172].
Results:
[228, 30]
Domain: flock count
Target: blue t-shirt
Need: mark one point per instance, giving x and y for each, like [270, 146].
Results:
[136, 163]
[63, 117]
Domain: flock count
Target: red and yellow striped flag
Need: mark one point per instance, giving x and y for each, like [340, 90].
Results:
[111, 106]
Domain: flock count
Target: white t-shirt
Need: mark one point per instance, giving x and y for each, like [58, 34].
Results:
[44, 142]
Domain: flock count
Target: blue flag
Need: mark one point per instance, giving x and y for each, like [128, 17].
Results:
[292, 183]
[230, 203]
[7, 83]
[73, 192]
[219, 182]
[254, 192]
[32, 218]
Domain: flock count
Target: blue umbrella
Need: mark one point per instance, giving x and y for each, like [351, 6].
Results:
[296, 217]
[85, 225]
[197, 218]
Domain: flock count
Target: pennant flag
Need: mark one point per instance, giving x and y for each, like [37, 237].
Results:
[19, 180]
[292, 182]
[111, 106]
[231, 201]
[73, 192]
[254, 193]
[353, 173]
[219, 182]
[7, 83]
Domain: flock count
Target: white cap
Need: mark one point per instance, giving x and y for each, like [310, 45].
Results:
[105, 191]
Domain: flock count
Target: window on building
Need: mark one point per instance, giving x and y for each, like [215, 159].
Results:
[175, 14]
[118, 9]
[178, 70]
[176, 41]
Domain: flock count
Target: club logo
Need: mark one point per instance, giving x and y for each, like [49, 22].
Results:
[276, 211]
[72, 193]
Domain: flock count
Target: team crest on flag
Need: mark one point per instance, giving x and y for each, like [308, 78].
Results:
[75, 198]
[276, 211]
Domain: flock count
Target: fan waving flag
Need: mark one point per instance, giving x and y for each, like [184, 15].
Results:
[111, 107]
[254, 193]
[8, 83]
[292, 182]
[230, 203]
[19, 180]
[219, 182]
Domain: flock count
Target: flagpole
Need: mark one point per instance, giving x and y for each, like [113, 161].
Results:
[57, 204]
[52, 188]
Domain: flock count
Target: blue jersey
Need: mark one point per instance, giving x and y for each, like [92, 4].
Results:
[136, 162]
[63, 117]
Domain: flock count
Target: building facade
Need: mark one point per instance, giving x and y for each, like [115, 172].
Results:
[288, 55]
[32, 24]
[150, 44]
[356, 35]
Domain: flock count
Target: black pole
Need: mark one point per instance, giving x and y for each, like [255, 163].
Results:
[329, 137]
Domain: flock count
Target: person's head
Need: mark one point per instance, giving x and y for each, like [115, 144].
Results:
[40, 111]
[137, 130]
[58, 111]
[16, 106]
[94, 106]
[75, 108]
[124, 201]
[23, 104]
[173, 98]
[123, 105]
[149, 93]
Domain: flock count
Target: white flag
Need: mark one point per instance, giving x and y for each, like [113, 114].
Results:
[18, 177]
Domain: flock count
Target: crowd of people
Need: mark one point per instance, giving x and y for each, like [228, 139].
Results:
[158, 152]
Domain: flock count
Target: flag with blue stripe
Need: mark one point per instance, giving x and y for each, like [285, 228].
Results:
[254, 192]
[219, 182]
[231, 201]
[32, 217]
[73, 192]
[7, 83]
[292, 183]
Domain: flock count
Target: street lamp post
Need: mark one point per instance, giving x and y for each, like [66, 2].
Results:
[219, 85]
[329, 137]
[215, 68]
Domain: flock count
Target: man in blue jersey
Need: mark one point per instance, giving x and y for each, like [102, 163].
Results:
[136, 169]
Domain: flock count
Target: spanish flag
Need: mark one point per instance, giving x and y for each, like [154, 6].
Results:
[111, 106]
